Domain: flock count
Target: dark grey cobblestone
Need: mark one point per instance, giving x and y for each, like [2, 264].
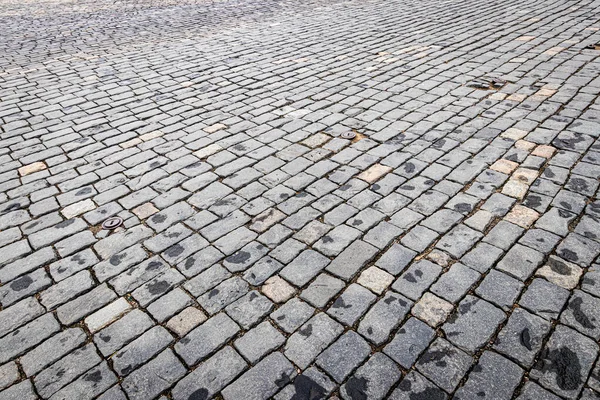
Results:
[447, 248]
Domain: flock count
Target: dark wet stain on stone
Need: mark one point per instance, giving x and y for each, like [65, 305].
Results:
[569, 255]
[357, 222]
[579, 315]
[159, 218]
[437, 356]
[253, 296]
[95, 376]
[357, 388]
[213, 293]
[12, 207]
[307, 389]
[200, 394]
[564, 213]
[428, 394]
[116, 259]
[559, 267]
[239, 258]
[564, 363]
[32, 225]
[462, 207]
[159, 287]
[409, 167]
[173, 235]
[339, 303]
[466, 307]
[306, 332]
[327, 239]
[533, 201]
[105, 338]
[189, 263]
[21, 284]
[525, 339]
[409, 277]
[84, 191]
[174, 250]
[578, 185]
[283, 380]
[64, 224]
[375, 187]
[78, 259]
[590, 235]
[152, 265]
[566, 205]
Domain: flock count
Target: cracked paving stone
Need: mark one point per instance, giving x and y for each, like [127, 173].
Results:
[321, 290]
[444, 364]
[263, 380]
[410, 341]
[372, 380]
[544, 298]
[520, 262]
[223, 294]
[384, 317]
[454, 283]
[582, 313]
[249, 309]
[351, 304]
[211, 376]
[522, 336]
[416, 386]
[154, 377]
[533, 391]
[344, 355]
[492, 377]
[206, 338]
[459, 240]
[304, 267]
[473, 323]
[292, 315]
[417, 279]
[499, 289]
[311, 384]
[311, 339]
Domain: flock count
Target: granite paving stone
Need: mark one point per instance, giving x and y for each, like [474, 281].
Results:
[564, 362]
[417, 179]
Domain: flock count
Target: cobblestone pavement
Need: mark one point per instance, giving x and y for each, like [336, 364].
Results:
[357, 199]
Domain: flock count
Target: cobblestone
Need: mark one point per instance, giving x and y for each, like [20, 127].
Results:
[320, 199]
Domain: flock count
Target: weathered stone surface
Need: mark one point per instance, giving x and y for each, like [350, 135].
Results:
[565, 362]
[206, 338]
[418, 176]
[262, 380]
[211, 376]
